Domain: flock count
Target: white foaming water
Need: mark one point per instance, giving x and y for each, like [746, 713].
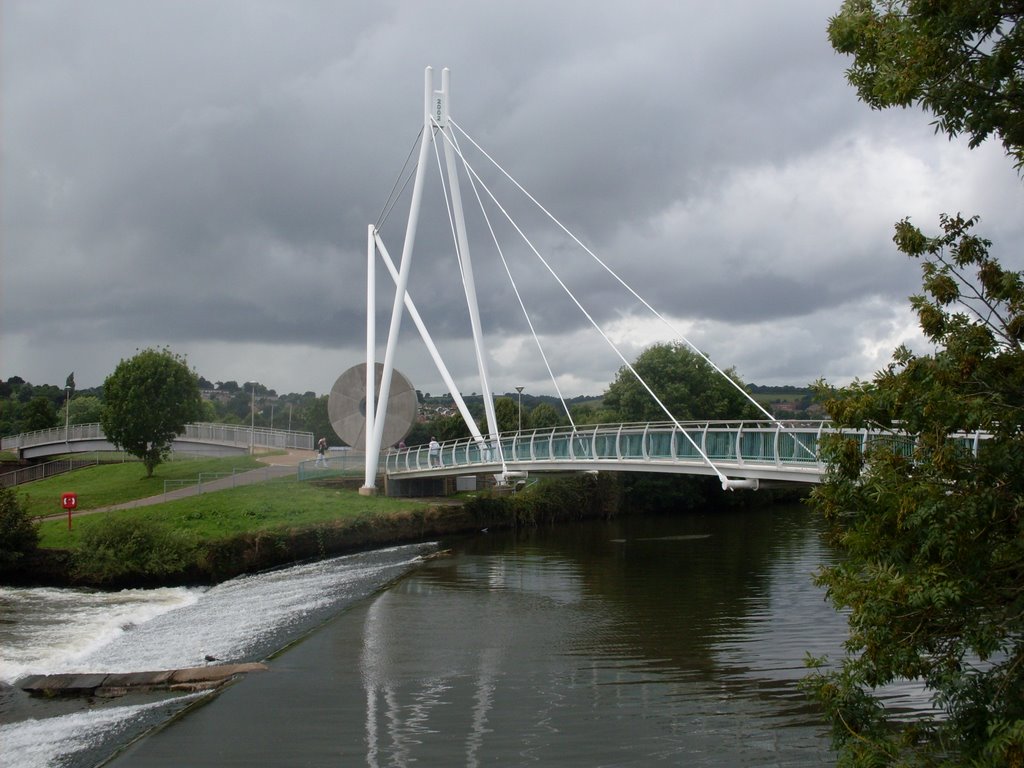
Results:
[47, 631]
[246, 618]
[41, 743]
[51, 630]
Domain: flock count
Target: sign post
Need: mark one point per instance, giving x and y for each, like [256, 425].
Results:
[69, 501]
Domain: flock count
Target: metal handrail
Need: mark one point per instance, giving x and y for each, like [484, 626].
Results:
[42, 471]
[227, 434]
[744, 444]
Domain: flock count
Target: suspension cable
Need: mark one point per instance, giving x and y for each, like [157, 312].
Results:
[623, 283]
[610, 271]
[393, 197]
[724, 480]
[493, 428]
[512, 282]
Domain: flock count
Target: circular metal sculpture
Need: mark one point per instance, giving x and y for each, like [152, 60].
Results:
[346, 406]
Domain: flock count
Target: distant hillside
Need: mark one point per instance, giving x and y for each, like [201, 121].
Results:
[785, 389]
[787, 401]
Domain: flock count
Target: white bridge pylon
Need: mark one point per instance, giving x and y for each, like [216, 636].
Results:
[439, 125]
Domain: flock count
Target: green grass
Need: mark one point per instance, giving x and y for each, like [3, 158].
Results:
[108, 484]
[8, 456]
[211, 517]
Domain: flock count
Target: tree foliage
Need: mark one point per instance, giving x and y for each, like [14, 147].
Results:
[38, 413]
[117, 548]
[958, 59]
[928, 521]
[543, 416]
[932, 530]
[85, 409]
[18, 534]
[684, 382]
[149, 400]
[506, 411]
[690, 388]
[313, 414]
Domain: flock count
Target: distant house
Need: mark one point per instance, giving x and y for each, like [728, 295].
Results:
[216, 395]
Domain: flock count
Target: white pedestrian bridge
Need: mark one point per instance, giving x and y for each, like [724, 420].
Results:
[742, 454]
[200, 438]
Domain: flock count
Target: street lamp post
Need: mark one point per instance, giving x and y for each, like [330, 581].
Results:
[252, 422]
[67, 414]
[520, 391]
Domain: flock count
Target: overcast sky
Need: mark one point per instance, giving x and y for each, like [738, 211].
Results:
[201, 175]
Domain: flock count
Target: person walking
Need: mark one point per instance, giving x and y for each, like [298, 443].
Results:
[321, 452]
[434, 452]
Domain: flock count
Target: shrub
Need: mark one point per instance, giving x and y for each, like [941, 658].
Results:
[18, 534]
[119, 547]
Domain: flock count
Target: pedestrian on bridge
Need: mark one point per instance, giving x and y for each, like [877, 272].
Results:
[321, 452]
[434, 452]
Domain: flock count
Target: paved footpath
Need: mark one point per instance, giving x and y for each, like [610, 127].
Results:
[277, 465]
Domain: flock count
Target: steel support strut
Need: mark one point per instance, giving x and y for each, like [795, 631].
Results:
[373, 440]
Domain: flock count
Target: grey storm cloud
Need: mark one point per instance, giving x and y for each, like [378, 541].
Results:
[202, 174]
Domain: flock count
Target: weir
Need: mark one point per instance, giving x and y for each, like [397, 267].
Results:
[109, 685]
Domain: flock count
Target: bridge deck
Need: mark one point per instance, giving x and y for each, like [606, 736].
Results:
[203, 438]
[755, 450]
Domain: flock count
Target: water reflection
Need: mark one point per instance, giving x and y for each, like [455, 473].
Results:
[674, 640]
[607, 640]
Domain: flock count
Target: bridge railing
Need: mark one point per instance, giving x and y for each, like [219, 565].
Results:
[227, 434]
[736, 443]
[761, 442]
[238, 434]
[53, 435]
[42, 471]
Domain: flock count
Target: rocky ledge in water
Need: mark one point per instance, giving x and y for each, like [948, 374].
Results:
[106, 685]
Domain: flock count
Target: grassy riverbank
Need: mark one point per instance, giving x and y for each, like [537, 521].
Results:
[251, 509]
[203, 537]
[108, 484]
[210, 537]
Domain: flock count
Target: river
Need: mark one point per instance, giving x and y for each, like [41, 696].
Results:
[671, 640]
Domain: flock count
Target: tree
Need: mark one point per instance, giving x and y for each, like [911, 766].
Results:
[18, 534]
[684, 381]
[149, 399]
[690, 388]
[930, 529]
[959, 59]
[544, 416]
[85, 409]
[932, 534]
[588, 413]
[452, 427]
[506, 411]
[39, 413]
[317, 420]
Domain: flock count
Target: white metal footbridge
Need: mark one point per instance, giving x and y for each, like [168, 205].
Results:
[199, 439]
[738, 454]
[751, 453]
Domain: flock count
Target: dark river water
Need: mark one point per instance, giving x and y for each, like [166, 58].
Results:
[672, 640]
